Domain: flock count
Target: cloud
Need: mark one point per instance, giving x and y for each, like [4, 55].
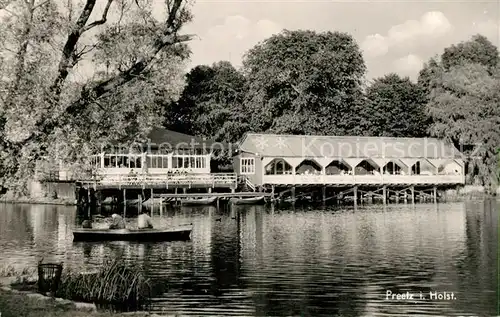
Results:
[489, 28]
[408, 65]
[231, 39]
[430, 26]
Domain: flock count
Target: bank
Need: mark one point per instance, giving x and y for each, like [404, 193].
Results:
[15, 302]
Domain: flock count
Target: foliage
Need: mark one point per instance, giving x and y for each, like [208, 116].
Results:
[464, 108]
[478, 50]
[116, 284]
[48, 105]
[210, 104]
[395, 107]
[304, 82]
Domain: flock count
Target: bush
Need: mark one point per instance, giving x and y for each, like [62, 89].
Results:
[116, 286]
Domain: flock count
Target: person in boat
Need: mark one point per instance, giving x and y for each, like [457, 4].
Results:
[117, 222]
[144, 221]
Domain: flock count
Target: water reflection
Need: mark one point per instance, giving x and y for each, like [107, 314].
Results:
[261, 261]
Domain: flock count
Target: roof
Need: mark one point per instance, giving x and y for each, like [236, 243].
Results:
[276, 145]
[160, 137]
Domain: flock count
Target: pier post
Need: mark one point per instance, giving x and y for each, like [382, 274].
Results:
[124, 203]
[233, 190]
[323, 191]
[272, 192]
[184, 190]
[124, 196]
[152, 200]
[397, 197]
[435, 194]
[209, 189]
[412, 189]
[384, 194]
[99, 197]
[355, 191]
[161, 208]
[293, 194]
[139, 202]
[89, 200]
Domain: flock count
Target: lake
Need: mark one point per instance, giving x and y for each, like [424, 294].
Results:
[295, 261]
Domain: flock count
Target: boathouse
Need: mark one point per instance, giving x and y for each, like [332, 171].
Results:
[272, 161]
[164, 159]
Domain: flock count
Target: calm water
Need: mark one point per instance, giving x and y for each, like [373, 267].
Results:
[264, 261]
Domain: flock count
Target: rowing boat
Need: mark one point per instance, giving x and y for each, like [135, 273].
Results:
[181, 234]
[198, 202]
[247, 201]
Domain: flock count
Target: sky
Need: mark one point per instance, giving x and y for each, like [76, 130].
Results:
[394, 36]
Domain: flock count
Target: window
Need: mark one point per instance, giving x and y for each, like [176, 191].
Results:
[247, 166]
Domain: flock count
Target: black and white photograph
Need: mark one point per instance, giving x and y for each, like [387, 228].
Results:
[249, 158]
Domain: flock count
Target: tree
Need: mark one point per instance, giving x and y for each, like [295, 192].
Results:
[304, 82]
[210, 104]
[396, 107]
[462, 100]
[47, 107]
[465, 111]
[478, 50]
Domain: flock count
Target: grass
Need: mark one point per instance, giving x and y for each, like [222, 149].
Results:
[18, 305]
[116, 286]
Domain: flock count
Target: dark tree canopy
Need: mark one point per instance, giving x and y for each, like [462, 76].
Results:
[395, 107]
[210, 104]
[478, 50]
[304, 82]
[463, 95]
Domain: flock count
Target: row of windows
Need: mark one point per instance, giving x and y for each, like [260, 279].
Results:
[189, 162]
[153, 162]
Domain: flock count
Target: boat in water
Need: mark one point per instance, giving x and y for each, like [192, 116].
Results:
[247, 201]
[142, 235]
[199, 202]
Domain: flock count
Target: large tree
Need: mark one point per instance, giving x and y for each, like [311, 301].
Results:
[463, 87]
[304, 82]
[478, 50]
[131, 60]
[395, 107]
[210, 104]
[464, 106]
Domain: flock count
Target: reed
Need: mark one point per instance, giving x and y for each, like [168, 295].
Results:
[11, 271]
[115, 286]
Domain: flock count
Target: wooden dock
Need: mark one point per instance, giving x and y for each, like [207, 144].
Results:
[218, 195]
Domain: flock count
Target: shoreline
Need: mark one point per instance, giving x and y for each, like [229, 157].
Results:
[38, 201]
[468, 192]
[15, 303]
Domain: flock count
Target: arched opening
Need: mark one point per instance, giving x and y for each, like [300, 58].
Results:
[450, 168]
[307, 167]
[278, 167]
[415, 169]
[422, 168]
[392, 168]
[337, 168]
[366, 168]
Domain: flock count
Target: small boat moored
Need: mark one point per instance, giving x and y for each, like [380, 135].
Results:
[199, 202]
[247, 201]
[149, 235]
